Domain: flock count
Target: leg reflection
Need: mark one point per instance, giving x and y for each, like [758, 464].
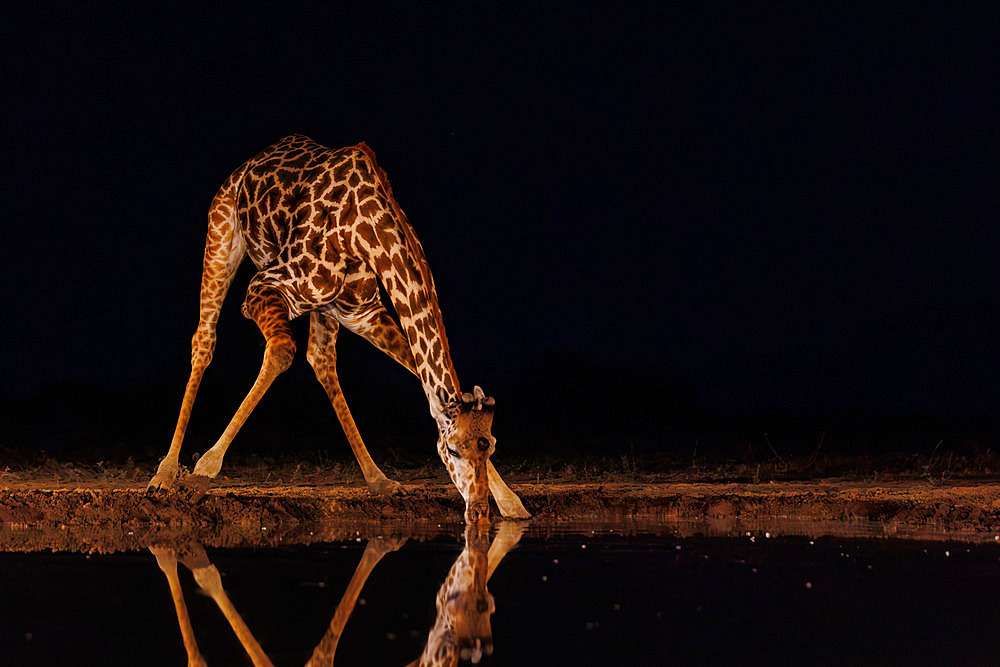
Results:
[327, 647]
[461, 629]
[167, 560]
[207, 576]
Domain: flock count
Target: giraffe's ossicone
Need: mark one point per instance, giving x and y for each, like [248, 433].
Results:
[323, 229]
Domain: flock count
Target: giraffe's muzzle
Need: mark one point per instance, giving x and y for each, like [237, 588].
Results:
[478, 513]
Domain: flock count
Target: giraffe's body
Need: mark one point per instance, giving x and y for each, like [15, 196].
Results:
[323, 229]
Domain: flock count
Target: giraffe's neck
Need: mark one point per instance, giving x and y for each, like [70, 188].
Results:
[398, 257]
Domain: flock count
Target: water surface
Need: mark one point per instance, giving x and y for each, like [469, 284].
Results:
[542, 595]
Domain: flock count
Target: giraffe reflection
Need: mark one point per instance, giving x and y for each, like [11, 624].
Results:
[461, 630]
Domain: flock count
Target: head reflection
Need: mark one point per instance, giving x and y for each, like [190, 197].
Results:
[461, 630]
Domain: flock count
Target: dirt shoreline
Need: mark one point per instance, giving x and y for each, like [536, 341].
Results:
[111, 517]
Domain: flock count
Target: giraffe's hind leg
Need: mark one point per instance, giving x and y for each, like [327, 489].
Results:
[322, 356]
[224, 250]
[265, 306]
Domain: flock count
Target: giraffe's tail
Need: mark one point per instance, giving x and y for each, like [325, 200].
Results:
[224, 251]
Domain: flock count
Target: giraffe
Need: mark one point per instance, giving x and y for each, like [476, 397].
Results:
[323, 229]
[461, 629]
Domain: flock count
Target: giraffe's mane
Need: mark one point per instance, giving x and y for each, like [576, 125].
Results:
[417, 253]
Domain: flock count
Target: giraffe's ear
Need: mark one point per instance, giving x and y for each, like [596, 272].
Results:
[440, 410]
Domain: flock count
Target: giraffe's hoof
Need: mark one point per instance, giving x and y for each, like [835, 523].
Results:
[166, 559]
[517, 513]
[193, 487]
[162, 482]
[385, 488]
[387, 544]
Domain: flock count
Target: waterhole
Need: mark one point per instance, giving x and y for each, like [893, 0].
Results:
[522, 594]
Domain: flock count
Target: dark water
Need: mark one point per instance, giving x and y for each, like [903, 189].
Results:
[558, 597]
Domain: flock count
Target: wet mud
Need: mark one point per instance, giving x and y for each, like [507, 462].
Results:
[107, 518]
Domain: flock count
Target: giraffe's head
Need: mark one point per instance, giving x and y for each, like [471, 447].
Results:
[466, 446]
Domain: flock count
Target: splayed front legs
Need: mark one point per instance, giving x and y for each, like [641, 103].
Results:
[322, 356]
[508, 502]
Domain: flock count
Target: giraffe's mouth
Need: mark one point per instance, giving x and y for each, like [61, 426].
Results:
[477, 513]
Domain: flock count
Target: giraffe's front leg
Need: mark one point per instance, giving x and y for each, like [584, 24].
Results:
[322, 356]
[269, 310]
[508, 502]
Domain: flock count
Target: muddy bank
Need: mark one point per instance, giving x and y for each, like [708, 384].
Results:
[101, 518]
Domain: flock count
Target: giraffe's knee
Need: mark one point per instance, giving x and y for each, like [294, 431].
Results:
[280, 352]
[321, 362]
[202, 348]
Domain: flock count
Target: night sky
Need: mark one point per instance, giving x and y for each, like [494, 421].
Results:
[642, 222]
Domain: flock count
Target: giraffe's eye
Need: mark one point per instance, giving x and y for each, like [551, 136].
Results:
[454, 453]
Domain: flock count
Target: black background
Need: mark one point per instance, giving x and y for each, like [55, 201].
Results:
[649, 226]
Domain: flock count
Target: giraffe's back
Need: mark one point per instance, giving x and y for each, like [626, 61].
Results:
[296, 202]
